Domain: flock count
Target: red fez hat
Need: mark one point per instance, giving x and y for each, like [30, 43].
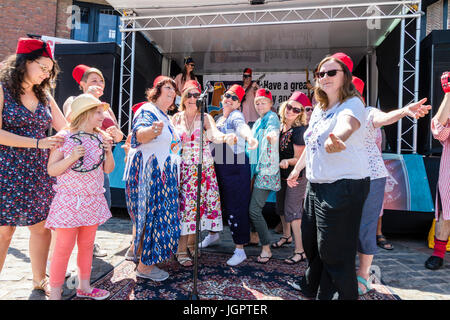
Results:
[345, 59]
[36, 46]
[248, 71]
[159, 79]
[79, 71]
[137, 106]
[263, 93]
[192, 84]
[238, 90]
[359, 84]
[301, 98]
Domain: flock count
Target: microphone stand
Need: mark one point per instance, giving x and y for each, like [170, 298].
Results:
[201, 103]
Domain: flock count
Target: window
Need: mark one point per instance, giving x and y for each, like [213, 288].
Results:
[97, 24]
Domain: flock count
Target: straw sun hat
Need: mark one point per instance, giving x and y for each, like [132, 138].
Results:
[85, 102]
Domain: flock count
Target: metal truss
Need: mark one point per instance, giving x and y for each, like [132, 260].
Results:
[126, 75]
[334, 13]
[408, 87]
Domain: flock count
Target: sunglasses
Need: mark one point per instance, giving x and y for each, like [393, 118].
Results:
[195, 95]
[293, 109]
[231, 96]
[192, 65]
[245, 76]
[44, 68]
[329, 73]
[308, 109]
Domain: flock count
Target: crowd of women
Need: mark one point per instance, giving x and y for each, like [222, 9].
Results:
[323, 161]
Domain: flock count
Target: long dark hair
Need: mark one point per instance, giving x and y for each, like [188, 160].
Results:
[347, 90]
[183, 77]
[12, 73]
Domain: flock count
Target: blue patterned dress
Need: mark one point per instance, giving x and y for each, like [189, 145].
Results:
[152, 187]
[25, 187]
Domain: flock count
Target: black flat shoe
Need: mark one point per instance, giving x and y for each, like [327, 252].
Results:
[434, 263]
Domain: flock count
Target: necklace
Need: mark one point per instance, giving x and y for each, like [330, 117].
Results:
[189, 127]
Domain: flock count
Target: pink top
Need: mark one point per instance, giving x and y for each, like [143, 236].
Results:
[79, 199]
[442, 133]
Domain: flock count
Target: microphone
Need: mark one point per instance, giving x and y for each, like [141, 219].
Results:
[208, 88]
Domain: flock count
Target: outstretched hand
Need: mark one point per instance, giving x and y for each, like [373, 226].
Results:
[444, 82]
[418, 109]
[334, 144]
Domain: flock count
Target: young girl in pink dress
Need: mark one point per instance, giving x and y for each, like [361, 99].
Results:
[79, 205]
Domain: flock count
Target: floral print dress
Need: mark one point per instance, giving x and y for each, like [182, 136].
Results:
[210, 209]
[25, 186]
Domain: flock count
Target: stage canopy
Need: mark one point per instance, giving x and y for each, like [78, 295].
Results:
[224, 36]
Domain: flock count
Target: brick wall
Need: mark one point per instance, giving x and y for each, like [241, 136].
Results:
[22, 17]
[62, 16]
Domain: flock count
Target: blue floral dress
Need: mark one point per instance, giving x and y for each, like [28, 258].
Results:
[25, 187]
[152, 179]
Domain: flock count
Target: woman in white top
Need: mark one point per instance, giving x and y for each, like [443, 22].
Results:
[338, 183]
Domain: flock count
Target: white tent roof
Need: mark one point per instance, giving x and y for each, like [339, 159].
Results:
[224, 36]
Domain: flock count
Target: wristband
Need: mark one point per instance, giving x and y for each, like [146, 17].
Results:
[37, 143]
[444, 82]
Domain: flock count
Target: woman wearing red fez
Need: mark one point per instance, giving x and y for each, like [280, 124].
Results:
[91, 80]
[187, 124]
[373, 206]
[233, 173]
[337, 170]
[28, 111]
[151, 175]
[265, 169]
[291, 145]
[440, 128]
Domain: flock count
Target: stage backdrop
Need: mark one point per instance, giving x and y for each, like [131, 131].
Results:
[407, 187]
[281, 85]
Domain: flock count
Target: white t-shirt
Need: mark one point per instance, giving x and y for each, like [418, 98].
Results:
[377, 169]
[351, 163]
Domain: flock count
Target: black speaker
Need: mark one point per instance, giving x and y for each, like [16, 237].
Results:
[434, 60]
[103, 56]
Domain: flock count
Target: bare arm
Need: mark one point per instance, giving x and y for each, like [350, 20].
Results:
[14, 140]
[298, 150]
[147, 134]
[299, 166]
[345, 127]
[414, 110]
[443, 113]
[59, 122]
[57, 164]
[108, 164]
[212, 132]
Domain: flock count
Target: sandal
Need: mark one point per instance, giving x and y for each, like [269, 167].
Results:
[42, 285]
[260, 257]
[383, 243]
[365, 283]
[191, 250]
[283, 240]
[291, 260]
[184, 260]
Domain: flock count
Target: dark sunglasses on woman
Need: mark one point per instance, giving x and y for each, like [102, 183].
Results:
[195, 95]
[293, 109]
[330, 73]
[230, 96]
[308, 109]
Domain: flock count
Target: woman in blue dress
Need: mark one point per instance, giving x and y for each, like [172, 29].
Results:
[152, 181]
[27, 113]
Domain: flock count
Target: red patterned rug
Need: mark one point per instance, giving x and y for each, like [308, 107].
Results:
[217, 281]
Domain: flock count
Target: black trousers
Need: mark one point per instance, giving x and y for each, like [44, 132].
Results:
[330, 227]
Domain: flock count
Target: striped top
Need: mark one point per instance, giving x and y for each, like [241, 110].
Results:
[442, 133]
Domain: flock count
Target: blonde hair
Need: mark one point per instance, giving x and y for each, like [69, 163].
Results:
[300, 120]
[184, 98]
[81, 118]
[347, 90]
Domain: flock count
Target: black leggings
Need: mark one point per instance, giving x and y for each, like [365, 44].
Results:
[330, 228]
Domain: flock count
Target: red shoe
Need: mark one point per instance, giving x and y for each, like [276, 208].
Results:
[96, 294]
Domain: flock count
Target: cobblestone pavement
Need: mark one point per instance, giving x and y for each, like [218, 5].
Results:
[401, 269]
